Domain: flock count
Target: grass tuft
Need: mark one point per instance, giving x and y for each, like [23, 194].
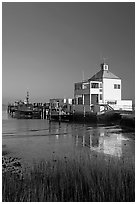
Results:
[83, 179]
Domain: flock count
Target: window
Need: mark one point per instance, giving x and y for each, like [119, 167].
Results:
[116, 86]
[100, 96]
[80, 101]
[112, 102]
[85, 86]
[94, 85]
[100, 85]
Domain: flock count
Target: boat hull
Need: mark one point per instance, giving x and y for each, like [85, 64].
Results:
[27, 114]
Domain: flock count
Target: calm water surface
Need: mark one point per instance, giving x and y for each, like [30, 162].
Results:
[38, 139]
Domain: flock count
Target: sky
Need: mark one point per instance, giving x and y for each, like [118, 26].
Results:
[46, 47]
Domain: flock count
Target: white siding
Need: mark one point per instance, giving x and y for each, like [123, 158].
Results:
[109, 93]
[94, 91]
[123, 105]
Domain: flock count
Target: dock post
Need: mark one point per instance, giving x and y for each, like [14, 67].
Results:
[49, 114]
[84, 112]
[8, 109]
[43, 112]
[73, 114]
[59, 115]
[46, 113]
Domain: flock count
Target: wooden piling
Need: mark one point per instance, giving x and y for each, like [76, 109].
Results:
[59, 115]
[50, 113]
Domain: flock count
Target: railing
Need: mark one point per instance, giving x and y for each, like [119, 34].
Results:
[122, 107]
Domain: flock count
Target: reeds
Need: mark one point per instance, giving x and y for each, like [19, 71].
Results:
[4, 150]
[79, 179]
[128, 122]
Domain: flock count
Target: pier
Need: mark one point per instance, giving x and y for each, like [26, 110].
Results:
[31, 111]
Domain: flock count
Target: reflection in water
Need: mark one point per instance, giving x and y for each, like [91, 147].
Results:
[77, 140]
[57, 133]
[58, 130]
[39, 138]
[95, 139]
[83, 141]
[101, 141]
[113, 146]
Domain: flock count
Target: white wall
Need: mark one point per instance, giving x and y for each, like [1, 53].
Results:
[123, 105]
[94, 91]
[109, 93]
[69, 100]
[125, 102]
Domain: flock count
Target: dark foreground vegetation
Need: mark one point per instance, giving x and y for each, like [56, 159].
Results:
[128, 122]
[81, 179]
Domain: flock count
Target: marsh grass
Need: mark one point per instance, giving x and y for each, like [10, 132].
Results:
[4, 150]
[84, 178]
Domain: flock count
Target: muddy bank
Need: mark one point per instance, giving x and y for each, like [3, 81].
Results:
[128, 122]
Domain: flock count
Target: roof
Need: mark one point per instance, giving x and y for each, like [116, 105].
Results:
[81, 82]
[103, 74]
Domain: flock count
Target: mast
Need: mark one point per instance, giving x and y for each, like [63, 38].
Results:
[27, 97]
[82, 75]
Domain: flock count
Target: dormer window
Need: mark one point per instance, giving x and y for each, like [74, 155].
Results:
[104, 67]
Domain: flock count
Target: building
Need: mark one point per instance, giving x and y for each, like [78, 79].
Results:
[102, 88]
[63, 103]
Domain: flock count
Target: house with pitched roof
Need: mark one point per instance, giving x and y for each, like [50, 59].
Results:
[102, 88]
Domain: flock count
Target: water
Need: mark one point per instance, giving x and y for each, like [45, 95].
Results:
[38, 139]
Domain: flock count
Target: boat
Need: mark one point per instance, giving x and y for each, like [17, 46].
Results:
[24, 110]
